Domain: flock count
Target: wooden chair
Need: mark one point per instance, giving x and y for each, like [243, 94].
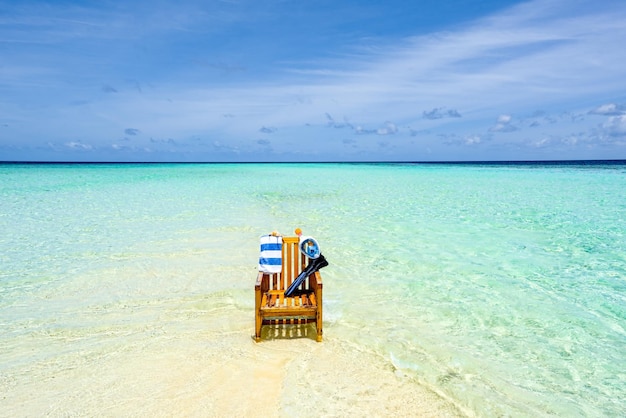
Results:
[272, 307]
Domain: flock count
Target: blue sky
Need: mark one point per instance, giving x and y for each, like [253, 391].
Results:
[295, 80]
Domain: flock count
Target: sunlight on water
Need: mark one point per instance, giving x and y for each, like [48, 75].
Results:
[499, 287]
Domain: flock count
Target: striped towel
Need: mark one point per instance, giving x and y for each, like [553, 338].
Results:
[270, 260]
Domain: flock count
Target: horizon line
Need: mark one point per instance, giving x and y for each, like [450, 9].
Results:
[566, 161]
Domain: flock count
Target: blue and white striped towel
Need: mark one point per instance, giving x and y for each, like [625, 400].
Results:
[270, 260]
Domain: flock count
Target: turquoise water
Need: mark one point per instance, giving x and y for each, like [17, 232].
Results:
[500, 287]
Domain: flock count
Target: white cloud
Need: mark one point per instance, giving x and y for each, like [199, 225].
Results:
[472, 140]
[610, 109]
[503, 124]
[335, 124]
[439, 113]
[504, 119]
[78, 145]
[268, 129]
[389, 129]
[131, 131]
[616, 125]
[540, 143]
[359, 130]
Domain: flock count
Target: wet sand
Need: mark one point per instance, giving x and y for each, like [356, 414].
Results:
[217, 374]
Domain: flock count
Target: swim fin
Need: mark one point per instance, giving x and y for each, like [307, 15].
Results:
[313, 266]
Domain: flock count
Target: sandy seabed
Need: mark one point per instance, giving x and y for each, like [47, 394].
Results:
[217, 374]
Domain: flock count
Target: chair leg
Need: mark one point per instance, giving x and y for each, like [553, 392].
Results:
[257, 328]
[318, 327]
[318, 317]
[258, 320]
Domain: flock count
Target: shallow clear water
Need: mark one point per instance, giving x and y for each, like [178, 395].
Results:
[500, 287]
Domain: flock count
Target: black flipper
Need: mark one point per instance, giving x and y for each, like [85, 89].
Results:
[313, 266]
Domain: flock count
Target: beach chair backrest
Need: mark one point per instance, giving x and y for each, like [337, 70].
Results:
[293, 263]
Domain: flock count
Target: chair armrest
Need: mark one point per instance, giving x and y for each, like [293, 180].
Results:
[315, 280]
[262, 282]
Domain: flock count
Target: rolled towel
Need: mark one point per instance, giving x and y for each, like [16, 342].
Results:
[270, 259]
